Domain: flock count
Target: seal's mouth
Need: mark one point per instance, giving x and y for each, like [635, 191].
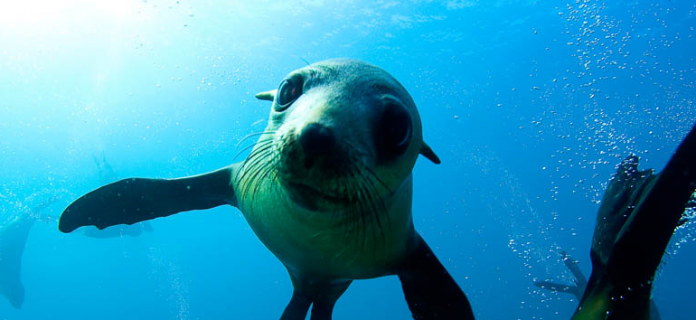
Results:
[310, 197]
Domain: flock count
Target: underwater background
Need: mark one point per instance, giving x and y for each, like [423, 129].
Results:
[529, 104]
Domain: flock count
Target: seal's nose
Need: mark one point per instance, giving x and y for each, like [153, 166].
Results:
[317, 141]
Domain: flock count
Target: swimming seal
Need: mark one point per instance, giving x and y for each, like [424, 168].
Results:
[635, 222]
[13, 240]
[327, 188]
[580, 283]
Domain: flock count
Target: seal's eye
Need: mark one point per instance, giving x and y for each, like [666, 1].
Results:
[289, 91]
[394, 132]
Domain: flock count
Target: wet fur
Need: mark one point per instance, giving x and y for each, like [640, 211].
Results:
[330, 219]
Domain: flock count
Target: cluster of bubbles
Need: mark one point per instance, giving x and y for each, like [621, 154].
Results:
[9, 205]
[33, 205]
[530, 232]
[575, 112]
[591, 139]
[614, 101]
[686, 231]
[177, 290]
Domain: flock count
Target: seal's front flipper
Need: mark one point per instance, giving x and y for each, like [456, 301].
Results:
[643, 239]
[430, 291]
[638, 215]
[135, 199]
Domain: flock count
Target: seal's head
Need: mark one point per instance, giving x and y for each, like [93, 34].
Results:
[342, 130]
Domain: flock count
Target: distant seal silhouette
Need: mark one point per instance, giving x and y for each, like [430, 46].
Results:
[327, 188]
[13, 239]
[580, 284]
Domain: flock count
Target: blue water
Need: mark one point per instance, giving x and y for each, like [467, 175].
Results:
[529, 104]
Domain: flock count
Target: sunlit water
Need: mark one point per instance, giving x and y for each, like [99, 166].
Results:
[530, 105]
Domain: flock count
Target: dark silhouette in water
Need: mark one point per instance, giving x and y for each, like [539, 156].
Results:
[580, 283]
[635, 222]
[13, 238]
[108, 175]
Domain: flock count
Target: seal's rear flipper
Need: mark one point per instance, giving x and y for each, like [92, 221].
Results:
[627, 251]
[430, 291]
[318, 294]
[135, 199]
[297, 307]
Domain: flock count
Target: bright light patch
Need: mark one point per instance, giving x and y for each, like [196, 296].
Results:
[34, 17]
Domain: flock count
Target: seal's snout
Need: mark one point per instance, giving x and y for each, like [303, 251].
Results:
[317, 141]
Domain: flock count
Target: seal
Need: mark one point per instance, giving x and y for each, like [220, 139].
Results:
[13, 240]
[635, 222]
[579, 285]
[107, 175]
[327, 188]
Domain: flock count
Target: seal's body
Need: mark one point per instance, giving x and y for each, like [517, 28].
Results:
[327, 188]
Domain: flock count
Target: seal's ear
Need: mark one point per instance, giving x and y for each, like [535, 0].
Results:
[428, 153]
[267, 95]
